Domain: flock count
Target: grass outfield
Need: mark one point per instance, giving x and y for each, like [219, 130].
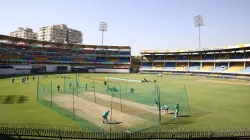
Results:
[211, 104]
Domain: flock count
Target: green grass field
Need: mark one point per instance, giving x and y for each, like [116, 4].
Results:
[211, 104]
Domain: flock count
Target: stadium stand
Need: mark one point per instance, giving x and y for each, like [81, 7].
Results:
[159, 57]
[220, 67]
[221, 56]
[230, 61]
[112, 59]
[158, 66]
[146, 66]
[195, 57]
[246, 69]
[182, 57]
[208, 57]
[207, 67]
[193, 66]
[147, 58]
[235, 67]
[181, 66]
[170, 57]
[169, 66]
[237, 56]
[18, 51]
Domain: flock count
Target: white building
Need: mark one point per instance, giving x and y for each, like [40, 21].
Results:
[60, 34]
[74, 36]
[24, 33]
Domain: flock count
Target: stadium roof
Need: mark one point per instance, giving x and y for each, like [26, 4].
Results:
[32, 41]
[217, 49]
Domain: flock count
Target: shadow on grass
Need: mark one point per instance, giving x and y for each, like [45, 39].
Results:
[183, 120]
[114, 123]
[171, 113]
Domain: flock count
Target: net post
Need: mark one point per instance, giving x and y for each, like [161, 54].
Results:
[187, 100]
[126, 86]
[121, 97]
[37, 91]
[94, 89]
[155, 91]
[111, 113]
[108, 79]
[108, 85]
[76, 89]
[51, 100]
[159, 104]
[64, 85]
[74, 102]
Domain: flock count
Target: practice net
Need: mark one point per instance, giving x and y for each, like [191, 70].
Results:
[134, 105]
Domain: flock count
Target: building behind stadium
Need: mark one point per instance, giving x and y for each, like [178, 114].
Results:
[55, 33]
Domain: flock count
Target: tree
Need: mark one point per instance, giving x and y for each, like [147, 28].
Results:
[135, 63]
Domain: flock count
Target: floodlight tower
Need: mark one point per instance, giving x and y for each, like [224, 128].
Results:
[198, 22]
[103, 28]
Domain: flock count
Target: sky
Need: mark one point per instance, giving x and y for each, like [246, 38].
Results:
[141, 24]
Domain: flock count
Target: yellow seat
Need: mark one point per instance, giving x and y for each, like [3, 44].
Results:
[206, 68]
[157, 68]
[41, 58]
[180, 68]
[234, 69]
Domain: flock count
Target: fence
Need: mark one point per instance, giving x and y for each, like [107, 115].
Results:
[134, 105]
[32, 131]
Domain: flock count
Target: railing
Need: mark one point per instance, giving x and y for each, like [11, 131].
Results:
[36, 131]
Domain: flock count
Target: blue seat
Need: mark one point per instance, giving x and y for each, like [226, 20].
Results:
[27, 58]
[169, 66]
[246, 70]
[193, 68]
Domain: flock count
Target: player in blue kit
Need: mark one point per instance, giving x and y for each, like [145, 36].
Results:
[165, 108]
[132, 91]
[177, 109]
[105, 117]
[58, 88]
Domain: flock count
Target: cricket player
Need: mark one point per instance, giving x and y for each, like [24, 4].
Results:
[132, 91]
[165, 108]
[70, 84]
[58, 88]
[109, 88]
[114, 89]
[86, 86]
[105, 116]
[177, 108]
[156, 104]
[13, 80]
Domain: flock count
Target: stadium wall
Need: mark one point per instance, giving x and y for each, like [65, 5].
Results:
[112, 70]
[22, 69]
[7, 70]
[54, 68]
